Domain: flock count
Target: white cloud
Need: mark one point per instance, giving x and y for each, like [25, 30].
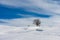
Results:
[54, 8]
[53, 21]
[34, 5]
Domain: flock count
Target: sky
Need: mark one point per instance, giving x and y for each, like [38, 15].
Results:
[13, 10]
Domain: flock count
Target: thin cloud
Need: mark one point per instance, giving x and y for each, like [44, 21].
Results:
[44, 4]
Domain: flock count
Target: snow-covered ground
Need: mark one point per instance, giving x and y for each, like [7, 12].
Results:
[29, 33]
[24, 29]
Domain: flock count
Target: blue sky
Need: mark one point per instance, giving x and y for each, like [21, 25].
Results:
[17, 9]
[11, 9]
[7, 12]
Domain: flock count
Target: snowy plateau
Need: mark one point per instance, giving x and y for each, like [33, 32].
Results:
[29, 33]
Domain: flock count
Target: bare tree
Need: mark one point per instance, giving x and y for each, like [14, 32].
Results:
[37, 22]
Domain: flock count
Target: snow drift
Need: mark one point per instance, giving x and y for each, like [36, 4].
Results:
[29, 33]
